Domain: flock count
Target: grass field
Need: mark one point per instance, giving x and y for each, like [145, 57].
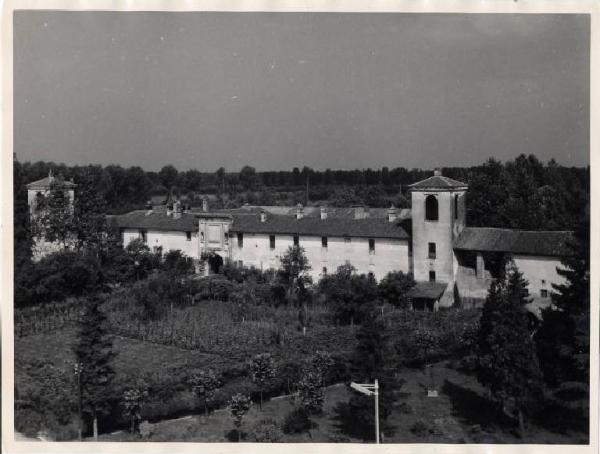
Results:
[456, 416]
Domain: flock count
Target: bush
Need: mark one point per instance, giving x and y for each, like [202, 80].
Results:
[393, 288]
[297, 421]
[266, 431]
[421, 429]
[58, 276]
[215, 287]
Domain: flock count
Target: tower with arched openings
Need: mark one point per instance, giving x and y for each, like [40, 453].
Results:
[438, 217]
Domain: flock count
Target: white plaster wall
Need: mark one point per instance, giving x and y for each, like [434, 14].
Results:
[389, 255]
[169, 240]
[536, 270]
[441, 232]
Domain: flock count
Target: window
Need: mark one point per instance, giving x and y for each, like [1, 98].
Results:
[324, 270]
[371, 246]
[240, 264]
[543, 281]
[188, 236]
[432, 276]
[202, 237]
[431, 208]
[144, 235]
[456, 206]
[240, 238]
[272, 241]
[296, 240]
[324, 241]
[432, 250]
[544, 293]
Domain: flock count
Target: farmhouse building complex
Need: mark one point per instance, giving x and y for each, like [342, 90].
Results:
[451, 262]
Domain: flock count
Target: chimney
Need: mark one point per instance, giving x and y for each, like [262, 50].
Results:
[437, 172]
[263, 216]
[177, 210]
[323, 212]
[205, 204]
[359, 212]
[299, 211]
[148, 208]
[392, 213]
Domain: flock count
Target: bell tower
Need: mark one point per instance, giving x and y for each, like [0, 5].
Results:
[438, 217]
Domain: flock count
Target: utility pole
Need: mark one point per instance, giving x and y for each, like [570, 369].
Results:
[78, 369]
[376, 394]
[370, 390]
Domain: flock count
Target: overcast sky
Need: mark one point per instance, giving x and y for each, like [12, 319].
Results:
[278, 90]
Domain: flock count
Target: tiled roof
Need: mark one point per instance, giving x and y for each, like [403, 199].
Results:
[45, 183]
[438, 182]
[155, 221]
[427, 290]
[489, 239]
[332, 226]
[312, 211]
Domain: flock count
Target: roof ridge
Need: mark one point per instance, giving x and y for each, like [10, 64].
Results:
[520, 230]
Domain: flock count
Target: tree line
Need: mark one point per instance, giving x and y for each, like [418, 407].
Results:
[521, 193]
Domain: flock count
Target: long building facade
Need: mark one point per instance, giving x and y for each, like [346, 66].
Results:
[452, 263]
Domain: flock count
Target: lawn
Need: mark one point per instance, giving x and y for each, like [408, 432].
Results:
[459, 415]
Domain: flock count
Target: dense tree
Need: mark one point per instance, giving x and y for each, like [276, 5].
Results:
[58, 276]
[348, 294]
[508, 363]
[394, 286]
[94, 353]
[22, 232]
[132, 401]
[248, 178]
[54, 220]
[239, 405]
[167, 175]
[563, 339]
[262, 372]
[204, 383]
[373, 358]
[310, 391]
[90, 213]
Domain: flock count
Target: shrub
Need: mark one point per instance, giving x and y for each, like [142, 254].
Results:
[215, 287]
[297, 421]
[266, 431]
[393, 288]
[310, 391]
[239, 405]
[421, 429]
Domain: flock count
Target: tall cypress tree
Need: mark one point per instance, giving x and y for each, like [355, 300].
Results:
[563, 340]
[94, 354]
[90, 213]
[373, 358]
[508, 363]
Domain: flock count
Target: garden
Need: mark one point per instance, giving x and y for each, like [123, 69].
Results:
[247, 355]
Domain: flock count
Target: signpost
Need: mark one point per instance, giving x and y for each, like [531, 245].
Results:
[370, 390]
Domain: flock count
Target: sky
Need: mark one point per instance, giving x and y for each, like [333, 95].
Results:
[283, 90]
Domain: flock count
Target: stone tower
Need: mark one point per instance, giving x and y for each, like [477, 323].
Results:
[438, 217]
